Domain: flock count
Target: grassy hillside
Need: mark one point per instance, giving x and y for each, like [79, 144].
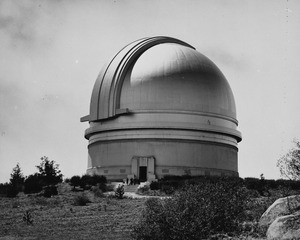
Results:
[59, 218]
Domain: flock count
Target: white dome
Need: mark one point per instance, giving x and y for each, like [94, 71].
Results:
[160, 99]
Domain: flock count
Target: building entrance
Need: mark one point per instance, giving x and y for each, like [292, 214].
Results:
[142, 167]
[143, 174]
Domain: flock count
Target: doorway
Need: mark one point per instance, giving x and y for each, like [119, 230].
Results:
[143, 167]
[143, 174]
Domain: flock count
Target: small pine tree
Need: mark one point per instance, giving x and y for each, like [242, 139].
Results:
[49, 172]
[119, 191]
[16, 180]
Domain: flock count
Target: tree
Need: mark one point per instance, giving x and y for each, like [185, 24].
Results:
[75, 181]
[289, 164]
[49, 172]
[17, 178]
[33, 184]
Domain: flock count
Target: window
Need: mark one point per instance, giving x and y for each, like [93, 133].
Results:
[165, 171]
[122, 170]
[105, 171]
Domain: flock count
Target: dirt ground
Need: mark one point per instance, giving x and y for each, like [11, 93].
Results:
[59, 218]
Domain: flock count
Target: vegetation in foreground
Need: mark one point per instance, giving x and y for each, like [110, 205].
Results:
[198, 211]
[191, 207]
[68, 215]
[209, 208]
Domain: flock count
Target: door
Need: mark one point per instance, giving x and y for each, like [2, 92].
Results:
[143, 174]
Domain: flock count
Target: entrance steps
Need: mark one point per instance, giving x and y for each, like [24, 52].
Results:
[130, 188]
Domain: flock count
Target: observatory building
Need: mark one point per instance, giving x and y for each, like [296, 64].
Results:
[159, 107]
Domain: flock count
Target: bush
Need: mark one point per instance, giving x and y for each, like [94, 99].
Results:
[154, 186]
[3, 188]
[109, 187]
[292, 184]
[33, 184]
[176, 177]
[102, 187]
[143, 189]
[50, 191]
[12, 191]
[169, 183]
[196, 212]
[75, 181]
[8, 190]
[167, 189]
[119, 191]
[67, 180]
[97, 191]
[81, 200]
[98, 179]
[87, 181]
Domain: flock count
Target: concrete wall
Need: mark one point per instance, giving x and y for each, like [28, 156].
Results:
[113, 159]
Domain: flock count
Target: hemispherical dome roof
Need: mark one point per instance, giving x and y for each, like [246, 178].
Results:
[172, 76]
[162, 83]
[161, 74]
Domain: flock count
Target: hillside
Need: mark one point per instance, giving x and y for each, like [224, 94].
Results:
[58, 218]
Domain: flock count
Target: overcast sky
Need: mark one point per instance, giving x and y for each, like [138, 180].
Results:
[52, 51]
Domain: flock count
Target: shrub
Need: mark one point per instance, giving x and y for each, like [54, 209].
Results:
[168, 188]
[196, 212]
[154, 186]
[33, 184]
[12, 190]
[251, 183]
[119, 191]
[86, 181]
[81, 200]
[143, 189]
[109, 187]
[170, 183]
[3, 187]
[97, 191]
[102, 187]
[27, 217]
[75, 181]
[271, 183]
[67, 180]
[50, 191]
[8, 190]
[98, 179]
[175, 177]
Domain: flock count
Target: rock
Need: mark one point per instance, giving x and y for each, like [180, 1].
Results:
[285, 228]
[281, 207]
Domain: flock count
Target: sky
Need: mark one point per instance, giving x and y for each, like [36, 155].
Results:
[51, 52]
